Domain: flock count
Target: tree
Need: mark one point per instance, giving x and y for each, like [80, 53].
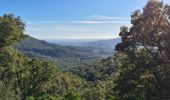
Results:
[144, 52]
[11, 29]
[30, 78]
[21, 76]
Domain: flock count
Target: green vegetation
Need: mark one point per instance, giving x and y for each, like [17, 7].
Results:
[139, 69]
[95, 71]
[31, 78]
[65, 56]
[142, 60]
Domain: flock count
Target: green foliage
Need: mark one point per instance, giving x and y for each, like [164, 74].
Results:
[142, 63]
[142, 58]
[72, 95]
[66, 57]
[140, 70]
[31, 78]
[98, 70]
[47, 97]
[23, 78]
[11, 29]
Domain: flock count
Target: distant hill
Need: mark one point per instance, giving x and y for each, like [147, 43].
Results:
[106, 45]
[65, 56]
[70, 42]
[103, 43]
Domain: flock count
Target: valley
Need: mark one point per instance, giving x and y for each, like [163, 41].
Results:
[70, 55]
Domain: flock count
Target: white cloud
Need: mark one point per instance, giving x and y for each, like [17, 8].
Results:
[45, 22]
[101, 22]
[59, 29]
[91, 27]
[73, 29]
[94, 19]
[87, 22]
[101, 17]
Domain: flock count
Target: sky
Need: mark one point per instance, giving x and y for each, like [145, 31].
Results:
[73, 19]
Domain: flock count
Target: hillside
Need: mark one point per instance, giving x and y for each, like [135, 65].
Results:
[103, 43]
[107, 45]
[65, 56]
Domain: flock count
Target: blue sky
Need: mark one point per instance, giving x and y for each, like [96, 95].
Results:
[72, 19]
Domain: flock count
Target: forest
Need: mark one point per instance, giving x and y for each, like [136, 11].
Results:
[138, 69]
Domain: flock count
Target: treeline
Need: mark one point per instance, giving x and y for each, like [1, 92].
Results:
[139, 69]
